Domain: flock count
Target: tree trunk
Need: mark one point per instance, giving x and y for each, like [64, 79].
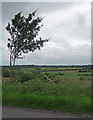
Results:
[14, 62]
[11, 76]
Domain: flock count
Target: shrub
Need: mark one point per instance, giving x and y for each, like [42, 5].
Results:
[26, 76]
[82, 78]
[6, 72]
[37, 71]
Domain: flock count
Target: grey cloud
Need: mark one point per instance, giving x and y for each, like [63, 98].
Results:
[48, 7]
[63, 59]
[60, 49]
[60, 56]
[9, 9]
[76, 26]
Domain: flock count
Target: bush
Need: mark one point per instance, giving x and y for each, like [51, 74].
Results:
[82, 78]
[37, 71]
[25, 76]
[6, 72]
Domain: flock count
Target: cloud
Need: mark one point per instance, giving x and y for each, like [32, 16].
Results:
[68, 25]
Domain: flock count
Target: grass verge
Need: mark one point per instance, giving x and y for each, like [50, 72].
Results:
[63, 103]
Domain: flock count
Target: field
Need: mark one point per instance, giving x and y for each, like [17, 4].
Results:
[58, 89]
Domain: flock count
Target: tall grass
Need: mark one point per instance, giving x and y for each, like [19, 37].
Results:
[74, 104]
[68, 96]
[71, 93]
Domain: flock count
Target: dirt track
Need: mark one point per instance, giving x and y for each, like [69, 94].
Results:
[16, 112]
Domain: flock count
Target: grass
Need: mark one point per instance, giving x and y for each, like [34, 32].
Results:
[70, 94]
[65, 104]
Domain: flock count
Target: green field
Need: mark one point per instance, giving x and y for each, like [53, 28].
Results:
[67, 91]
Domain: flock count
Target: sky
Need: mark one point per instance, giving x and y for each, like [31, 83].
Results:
[68, 24]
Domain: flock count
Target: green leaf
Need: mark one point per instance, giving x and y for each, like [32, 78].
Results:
[8, 45]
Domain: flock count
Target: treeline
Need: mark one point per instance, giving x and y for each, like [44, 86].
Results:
[49, 66]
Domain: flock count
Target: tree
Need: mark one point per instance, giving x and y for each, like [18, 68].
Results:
[24, 32]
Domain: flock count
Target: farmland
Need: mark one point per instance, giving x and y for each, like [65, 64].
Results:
[66, 89]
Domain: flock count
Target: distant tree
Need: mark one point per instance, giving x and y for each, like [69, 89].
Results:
[24, 32]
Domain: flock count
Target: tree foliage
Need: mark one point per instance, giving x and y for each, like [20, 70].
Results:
[24, 32]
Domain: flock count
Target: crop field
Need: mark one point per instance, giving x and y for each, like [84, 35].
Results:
[57, 89]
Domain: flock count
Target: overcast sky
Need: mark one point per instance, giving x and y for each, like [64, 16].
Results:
[67, 24]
